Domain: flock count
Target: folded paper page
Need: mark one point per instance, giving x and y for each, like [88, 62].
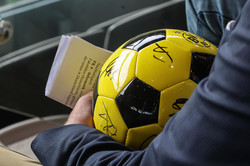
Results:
[75, 69]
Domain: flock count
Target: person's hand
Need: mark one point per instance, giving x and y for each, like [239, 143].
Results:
[82, 112]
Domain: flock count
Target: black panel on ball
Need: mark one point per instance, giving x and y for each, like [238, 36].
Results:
[145, 39]
[200, 66]
[138, 104]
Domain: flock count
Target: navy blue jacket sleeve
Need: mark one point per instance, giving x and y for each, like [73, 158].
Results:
[213, 128]
[81, 145]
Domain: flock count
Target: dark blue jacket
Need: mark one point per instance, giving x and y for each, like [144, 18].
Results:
[213, 128]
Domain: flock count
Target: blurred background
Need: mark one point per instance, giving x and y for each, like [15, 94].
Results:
[37, 20]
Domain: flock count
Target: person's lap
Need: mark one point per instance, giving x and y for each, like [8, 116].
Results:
[12, 158]
[209, 18]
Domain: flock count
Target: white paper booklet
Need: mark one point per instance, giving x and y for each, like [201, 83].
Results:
[75, 69]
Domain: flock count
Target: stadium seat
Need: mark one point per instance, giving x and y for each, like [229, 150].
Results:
[19, 136]
[170, 14]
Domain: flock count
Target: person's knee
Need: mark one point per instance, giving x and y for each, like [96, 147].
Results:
[10, 158]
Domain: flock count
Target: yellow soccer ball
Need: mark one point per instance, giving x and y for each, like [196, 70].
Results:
[146, 81]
